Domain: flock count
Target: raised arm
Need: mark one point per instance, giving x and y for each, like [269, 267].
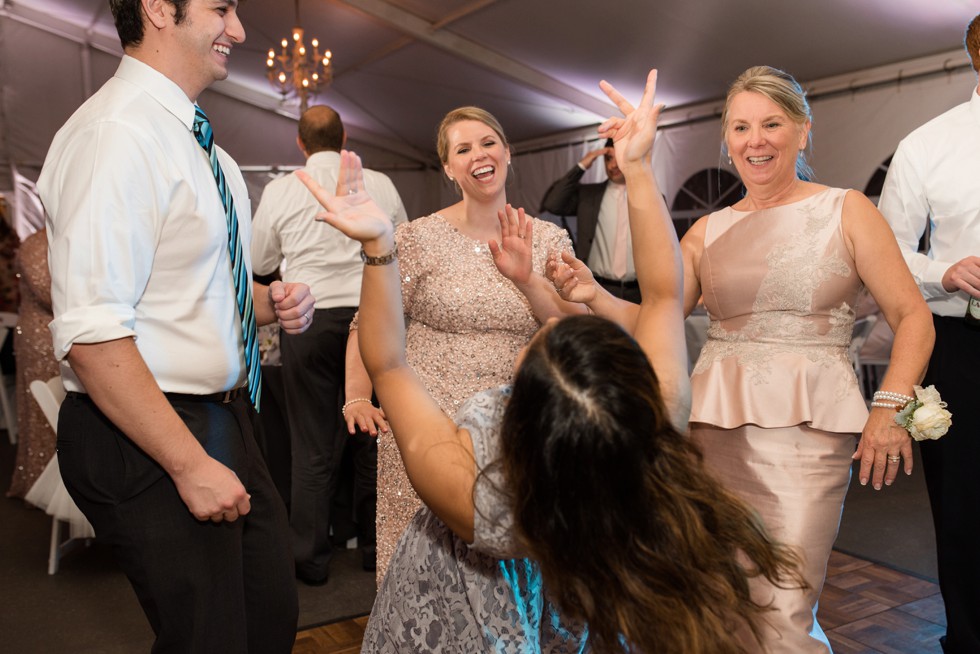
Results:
[660, 321]
[513, 258]
[438, 456]
[692, 247]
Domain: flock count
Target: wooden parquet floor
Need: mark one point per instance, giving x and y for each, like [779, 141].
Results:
[865, 608]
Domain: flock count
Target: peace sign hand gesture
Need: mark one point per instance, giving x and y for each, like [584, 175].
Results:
[633, 133]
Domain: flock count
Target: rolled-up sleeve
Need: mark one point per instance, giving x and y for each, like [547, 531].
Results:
[104, 223]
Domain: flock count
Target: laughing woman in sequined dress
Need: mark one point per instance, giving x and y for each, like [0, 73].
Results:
[465, 321]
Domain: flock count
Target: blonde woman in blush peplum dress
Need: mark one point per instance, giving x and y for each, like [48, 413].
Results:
[466, 321]
[776, 406]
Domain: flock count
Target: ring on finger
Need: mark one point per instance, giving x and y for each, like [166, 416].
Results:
[894, 459]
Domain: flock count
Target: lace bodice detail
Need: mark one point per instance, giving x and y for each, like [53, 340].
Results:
[779, 285]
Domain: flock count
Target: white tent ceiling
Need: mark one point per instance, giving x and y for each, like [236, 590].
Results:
[401, 64]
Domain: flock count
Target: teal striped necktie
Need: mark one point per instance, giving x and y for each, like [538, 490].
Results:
[243, 285]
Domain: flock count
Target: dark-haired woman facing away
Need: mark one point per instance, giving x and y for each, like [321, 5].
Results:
[580, 466]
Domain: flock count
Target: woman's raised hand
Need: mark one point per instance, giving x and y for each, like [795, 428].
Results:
[633, 133]
[513, 256]
[351, 210]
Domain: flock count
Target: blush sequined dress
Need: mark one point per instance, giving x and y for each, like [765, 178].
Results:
[465, 325]
[35, 360]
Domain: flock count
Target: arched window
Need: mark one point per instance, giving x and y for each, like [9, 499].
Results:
[705, 191]
[877, 181]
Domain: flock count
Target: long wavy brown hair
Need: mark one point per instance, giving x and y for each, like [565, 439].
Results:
[631, 532]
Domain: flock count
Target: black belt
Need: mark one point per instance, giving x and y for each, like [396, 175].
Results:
[223, 397]
[621, 283]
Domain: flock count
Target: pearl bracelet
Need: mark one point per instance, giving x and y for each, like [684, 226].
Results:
[886, 405]
[889, 395]
[343, 409]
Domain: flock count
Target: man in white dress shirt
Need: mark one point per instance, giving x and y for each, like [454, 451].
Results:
[288, 236]
[934, 179]
[155, 437]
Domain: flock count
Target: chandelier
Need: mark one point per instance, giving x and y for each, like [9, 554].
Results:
[298, 71]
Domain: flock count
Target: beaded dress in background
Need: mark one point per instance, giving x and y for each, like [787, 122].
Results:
[9, 243]
[35, 360]
[465, 325]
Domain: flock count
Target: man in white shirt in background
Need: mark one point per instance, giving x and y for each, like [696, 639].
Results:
[287, 236]
[934, 178]
[154, 327]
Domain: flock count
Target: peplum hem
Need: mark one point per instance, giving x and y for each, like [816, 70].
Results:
[790, 390]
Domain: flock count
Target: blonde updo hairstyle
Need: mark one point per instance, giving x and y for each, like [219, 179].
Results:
[785, 92]
[458, 115]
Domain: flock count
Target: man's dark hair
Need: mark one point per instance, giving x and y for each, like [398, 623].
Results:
[320, 128]
[972, 42]
[128, 16]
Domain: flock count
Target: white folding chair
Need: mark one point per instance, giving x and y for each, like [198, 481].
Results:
[49, 492]
[8, 322]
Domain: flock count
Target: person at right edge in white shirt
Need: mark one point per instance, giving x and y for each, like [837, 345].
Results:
[934, 178]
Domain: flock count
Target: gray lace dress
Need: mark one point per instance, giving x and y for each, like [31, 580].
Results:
[443, 595]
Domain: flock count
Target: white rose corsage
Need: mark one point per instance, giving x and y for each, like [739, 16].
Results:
[924, 417]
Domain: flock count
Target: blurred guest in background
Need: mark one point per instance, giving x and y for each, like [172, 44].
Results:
[602, 231]
[35, 360]
[286, 236]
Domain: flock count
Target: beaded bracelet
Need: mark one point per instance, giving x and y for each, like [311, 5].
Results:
[886, 405]
[343, 409]
[889, 395]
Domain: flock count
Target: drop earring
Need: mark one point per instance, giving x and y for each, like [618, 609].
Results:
[729, 160]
